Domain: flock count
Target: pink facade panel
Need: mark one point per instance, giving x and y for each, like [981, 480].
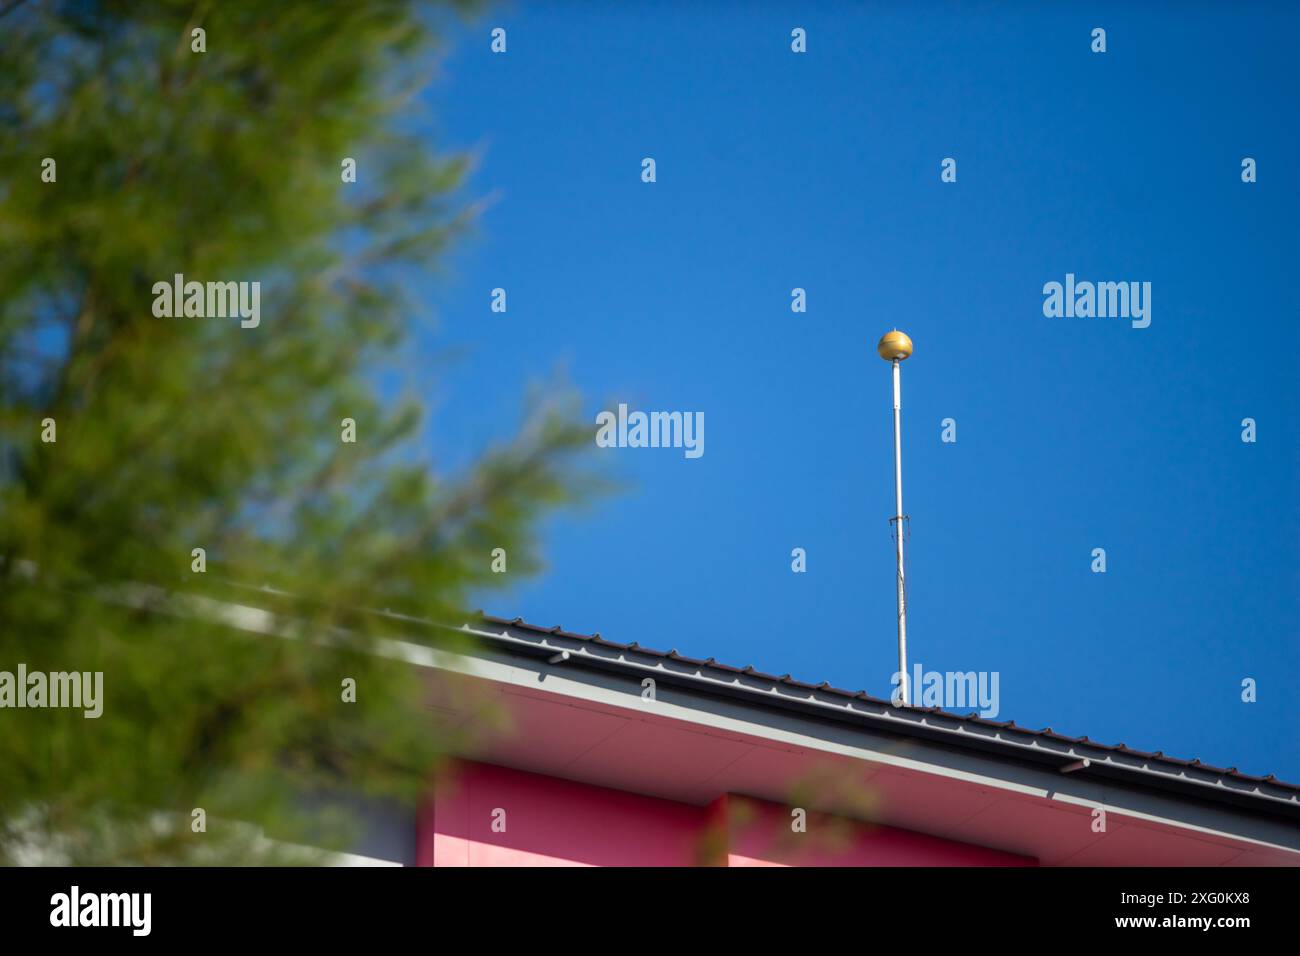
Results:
[758, 833]
[493, 816]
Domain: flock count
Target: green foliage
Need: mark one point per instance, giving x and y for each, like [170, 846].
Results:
[178, 433]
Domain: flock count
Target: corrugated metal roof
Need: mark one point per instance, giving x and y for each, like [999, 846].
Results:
[1046, 733]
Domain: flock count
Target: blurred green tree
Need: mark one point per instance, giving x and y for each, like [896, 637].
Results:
[179, 433]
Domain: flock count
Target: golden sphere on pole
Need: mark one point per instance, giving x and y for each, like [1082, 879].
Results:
[894, 345]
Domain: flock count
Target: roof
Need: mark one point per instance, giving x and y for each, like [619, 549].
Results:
[1069, 754]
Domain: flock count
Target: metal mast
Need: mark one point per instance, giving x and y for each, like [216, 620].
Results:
[894, 347]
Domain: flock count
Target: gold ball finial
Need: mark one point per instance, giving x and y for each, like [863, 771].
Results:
[894, 345]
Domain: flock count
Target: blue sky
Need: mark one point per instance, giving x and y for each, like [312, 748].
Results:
[822, 171]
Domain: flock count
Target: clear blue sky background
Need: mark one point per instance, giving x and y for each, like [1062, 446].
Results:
[822, 170]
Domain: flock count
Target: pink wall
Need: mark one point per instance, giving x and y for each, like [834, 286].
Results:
[553, 822]
[759, 833]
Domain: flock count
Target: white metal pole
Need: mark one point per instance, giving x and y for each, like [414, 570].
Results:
[898, 536]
